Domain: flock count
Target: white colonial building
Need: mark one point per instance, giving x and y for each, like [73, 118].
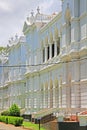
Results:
[46, 69]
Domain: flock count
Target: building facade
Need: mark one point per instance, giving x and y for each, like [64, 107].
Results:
[46, 69]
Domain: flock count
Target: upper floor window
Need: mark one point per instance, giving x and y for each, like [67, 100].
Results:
[53, 50]
[48, 54]
[58, 46]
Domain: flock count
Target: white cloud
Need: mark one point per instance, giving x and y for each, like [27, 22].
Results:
[13, 13]
[50, 7]
[4, 6]
[46, 5]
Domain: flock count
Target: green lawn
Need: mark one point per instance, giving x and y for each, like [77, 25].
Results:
[32, 126]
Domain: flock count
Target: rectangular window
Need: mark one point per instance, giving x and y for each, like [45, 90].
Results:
[58, 46]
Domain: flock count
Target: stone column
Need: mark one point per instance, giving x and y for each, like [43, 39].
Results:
[44, 103]
[46, 53]
[48, 96]
[60, 93]
[55, 48]
[54, 99]
[50, 50]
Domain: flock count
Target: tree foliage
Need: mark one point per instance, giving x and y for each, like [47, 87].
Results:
[14, 110]
[2, 48]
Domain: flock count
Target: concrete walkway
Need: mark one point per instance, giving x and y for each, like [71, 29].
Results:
[10, 127]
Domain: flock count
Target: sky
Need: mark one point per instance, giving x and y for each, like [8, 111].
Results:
[13, 13]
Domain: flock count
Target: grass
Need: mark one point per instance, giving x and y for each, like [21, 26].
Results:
[32, 126]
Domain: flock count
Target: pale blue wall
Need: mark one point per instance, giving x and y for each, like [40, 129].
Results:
[17, 56]
[32, 39]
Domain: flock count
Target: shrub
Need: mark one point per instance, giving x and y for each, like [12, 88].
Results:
[17, 121]
[14, 110]
[5, 113]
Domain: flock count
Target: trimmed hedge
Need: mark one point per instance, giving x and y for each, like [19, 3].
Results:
[17, 121]
[4, 119]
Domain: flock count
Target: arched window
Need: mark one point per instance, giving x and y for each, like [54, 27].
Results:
[58, 46]
[53, 50]
[57, 40]
[48, 53]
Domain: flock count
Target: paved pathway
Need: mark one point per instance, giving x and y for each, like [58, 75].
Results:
[10, 127]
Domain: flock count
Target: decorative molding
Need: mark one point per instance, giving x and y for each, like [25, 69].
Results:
[74, 54]
[83, 15]
[75, 19]
[83, 51]
[83, 81]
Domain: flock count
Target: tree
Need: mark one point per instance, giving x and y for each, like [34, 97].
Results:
[14, 110]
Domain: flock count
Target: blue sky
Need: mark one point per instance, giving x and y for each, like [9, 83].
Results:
[13, 14]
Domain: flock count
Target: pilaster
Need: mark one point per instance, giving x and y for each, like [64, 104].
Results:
[75, 30]
[50, 50]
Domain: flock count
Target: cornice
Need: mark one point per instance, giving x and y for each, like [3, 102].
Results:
[74, 54]
[83, 81]
[75, 82]
[65, 57]
[83, 51]
[31, 74]
[75, 19]
[83, 40]
[44, 69]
